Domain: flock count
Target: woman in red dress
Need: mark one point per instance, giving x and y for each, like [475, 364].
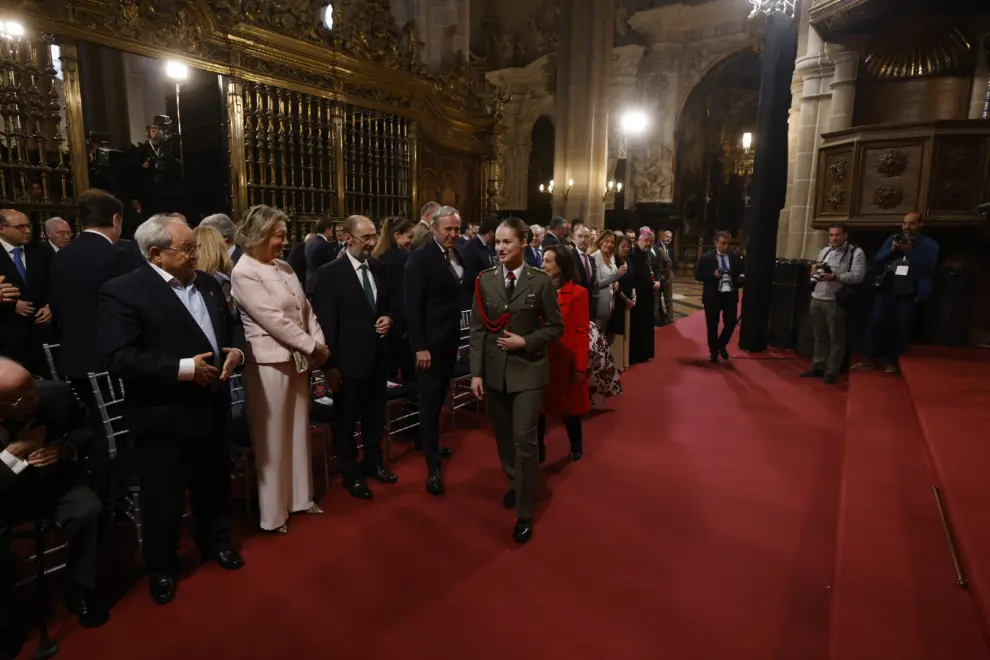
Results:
[567, 394]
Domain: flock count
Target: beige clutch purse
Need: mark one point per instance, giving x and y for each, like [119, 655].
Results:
[301, 361]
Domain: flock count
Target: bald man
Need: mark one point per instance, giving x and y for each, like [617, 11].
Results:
[22, 322]
[43, 438]
[350, 298]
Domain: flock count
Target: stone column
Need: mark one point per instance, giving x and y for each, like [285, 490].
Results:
[813, 67]
[846, 66]
[623, 94]
[583, 63]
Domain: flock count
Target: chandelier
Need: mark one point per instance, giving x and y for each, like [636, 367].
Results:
[785, 7]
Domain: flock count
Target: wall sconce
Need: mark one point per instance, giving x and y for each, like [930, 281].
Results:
[610, 189]
[567, 190]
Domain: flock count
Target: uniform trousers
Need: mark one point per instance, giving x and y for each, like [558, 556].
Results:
[515, 417]
[278, 401]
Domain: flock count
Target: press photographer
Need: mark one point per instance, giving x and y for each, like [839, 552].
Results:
[908, 260]
[840, 267]
[43, 438]
[159, 169]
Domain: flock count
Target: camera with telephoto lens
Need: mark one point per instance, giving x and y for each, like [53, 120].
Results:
[904, 238]
[821, 268]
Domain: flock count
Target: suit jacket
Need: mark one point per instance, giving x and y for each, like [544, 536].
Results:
[661, 263]
[65, 420]
[78, 272]
[19, 331]
[922, 260]
[236, 255]
[395, 275]
[277, 317]
[475, 257]
[704, 272]
[347, 317]
[534, 315]
[433, 298]
[549, 240]
[533, 256]
[421, 232]
[581, 278]
[318, 251]
[297, 259]
[144, 333]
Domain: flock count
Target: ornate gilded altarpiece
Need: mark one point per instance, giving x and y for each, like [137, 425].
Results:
[319, 122]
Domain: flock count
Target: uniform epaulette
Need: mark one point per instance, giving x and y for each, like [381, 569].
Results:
[533, 269]
[491, 269]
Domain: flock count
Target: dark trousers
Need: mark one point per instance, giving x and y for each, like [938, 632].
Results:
[77, 510]
[166, 467]
[515, 418]
[725, 305]
[403, 366]
[572, 425]
[364, 399]
[433, 385]
[890, 326]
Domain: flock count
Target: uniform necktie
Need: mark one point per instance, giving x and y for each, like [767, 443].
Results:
[510, 284]
[17, 253]
[369, 293]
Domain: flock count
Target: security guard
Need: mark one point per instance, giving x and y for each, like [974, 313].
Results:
[514, 317]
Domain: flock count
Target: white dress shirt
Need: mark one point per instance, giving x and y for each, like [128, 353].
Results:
[517, 272]
[357, 272]
[454, 261]
[15, 464]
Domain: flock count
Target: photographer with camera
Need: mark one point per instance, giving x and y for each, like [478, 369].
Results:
[908, 260]
[839, 266]
[159, 172]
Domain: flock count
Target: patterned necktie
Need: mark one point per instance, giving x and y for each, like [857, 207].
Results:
[725, 265]
[16, 254]
[369, 293]
[510, 284]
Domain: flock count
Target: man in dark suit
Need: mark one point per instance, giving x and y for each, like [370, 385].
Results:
[721, 272]
[223, 224]
[59, 234]
[320, 250]
[585, 270]
[167, 331]
[23, 321]
[533, 252]
[297, 259]
[43, 434]
[351, 302]
[478, 254]
[434, 286]
[556, 231]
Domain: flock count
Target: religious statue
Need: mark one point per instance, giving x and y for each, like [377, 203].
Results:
[653, 175]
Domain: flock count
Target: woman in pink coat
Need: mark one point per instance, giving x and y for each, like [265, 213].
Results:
[284, 342]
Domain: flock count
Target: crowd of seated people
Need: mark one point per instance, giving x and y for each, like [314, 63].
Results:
[178, 314]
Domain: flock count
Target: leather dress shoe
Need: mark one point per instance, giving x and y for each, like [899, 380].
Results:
[576, 454]
[229, 559]
[84, 604]
[713, 358]
[357, 488]
[509, 501]
[382, 474]
[445, 452]
[523, 531]
[162, 588]
[434, 483]
[724, 353]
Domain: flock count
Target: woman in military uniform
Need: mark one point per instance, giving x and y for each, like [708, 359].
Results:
[514, 318]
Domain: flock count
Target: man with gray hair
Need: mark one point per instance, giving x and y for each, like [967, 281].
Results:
[424, 228]
[59, 233]
[167, 331]
[533, 254]
[223, 224]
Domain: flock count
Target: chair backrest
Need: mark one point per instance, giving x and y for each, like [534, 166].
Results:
[49, 350]
[464, 338]
[236, 389]
[108, 392]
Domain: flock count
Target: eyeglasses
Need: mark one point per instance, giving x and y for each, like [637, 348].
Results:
[185, 249]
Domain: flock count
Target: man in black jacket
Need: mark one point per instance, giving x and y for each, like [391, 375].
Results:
[721, 272]
[43, 434]
[350, 299]
[320, 250]
[478, 254]
[167, 331]
[26, 267]
[434, 282]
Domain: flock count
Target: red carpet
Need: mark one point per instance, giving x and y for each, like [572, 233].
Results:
[699, 526]
[950, 391]
[893, 595]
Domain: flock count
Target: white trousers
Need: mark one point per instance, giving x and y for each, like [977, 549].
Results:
[277, 400]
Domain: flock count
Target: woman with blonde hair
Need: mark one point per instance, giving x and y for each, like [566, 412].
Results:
[212, 257]
[284, 341]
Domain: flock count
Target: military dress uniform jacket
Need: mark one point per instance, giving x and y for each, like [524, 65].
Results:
[533, 314]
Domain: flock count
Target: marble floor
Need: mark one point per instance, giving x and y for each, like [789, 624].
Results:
[687, 296]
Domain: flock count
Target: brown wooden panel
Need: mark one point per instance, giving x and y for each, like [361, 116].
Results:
[835, 174]
[449, 177]
[890, 179]
[917, 100]
[956, 160]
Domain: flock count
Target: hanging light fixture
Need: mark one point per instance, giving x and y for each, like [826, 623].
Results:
[785, 7]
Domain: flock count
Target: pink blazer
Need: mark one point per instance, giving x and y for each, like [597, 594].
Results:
[277, 317]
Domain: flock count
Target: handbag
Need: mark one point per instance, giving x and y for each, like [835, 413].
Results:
[301, 362]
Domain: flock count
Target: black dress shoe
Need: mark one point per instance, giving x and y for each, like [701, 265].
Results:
[724, 353]
[445, 452]
[576, 454]
[382, 474]
[357, 488]
[434, 483]
[228, 558]
[509, 501]
[84, 604]
[713, 358]
[829, 379]
[542, 452]
[812, 373]
[523, 531]
[162, 588]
